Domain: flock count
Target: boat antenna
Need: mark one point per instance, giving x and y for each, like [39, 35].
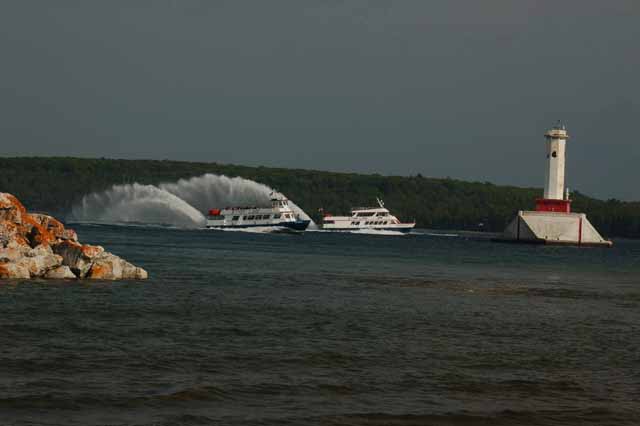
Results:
[380, 202]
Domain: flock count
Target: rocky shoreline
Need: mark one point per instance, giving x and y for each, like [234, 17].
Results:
[36, 245]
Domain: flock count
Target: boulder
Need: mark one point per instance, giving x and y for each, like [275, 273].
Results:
[36, 233]
[11, 232]
[69, 234]
[14, 271]
[76, 256]
[40, 260]
[60, 273]
[108, 266]
[13, 251]
[38, 245]
[37, 261]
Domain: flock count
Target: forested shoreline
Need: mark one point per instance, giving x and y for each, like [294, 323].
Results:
[54, 184]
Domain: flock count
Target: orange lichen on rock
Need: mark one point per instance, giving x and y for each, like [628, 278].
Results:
[100, 272]
[37, 233]
[10, 231]
[50, 223]
[91, 251]
[11, 208]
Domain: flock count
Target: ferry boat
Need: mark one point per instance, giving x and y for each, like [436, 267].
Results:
[376, 218]
[279, 216]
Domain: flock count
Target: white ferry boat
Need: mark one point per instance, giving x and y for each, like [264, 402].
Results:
[279, 216]
[376, 218]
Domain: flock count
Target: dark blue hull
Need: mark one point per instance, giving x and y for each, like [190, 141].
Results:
[298, 225]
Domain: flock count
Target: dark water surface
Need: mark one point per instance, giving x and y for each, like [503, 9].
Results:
[327, 329]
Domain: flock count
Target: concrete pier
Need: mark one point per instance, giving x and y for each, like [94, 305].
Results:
[553, 228]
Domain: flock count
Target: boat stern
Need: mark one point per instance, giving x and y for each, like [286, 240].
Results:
[297, 225]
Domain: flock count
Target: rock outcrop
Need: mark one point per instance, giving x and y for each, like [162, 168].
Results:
[39, 246]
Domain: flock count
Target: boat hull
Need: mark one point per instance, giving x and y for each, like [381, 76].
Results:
[404, 229]
[298, 225]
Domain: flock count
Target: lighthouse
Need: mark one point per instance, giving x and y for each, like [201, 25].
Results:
[553, 222]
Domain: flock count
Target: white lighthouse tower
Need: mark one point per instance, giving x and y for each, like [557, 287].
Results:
[553, 222]
[555, 199]
[556, 150]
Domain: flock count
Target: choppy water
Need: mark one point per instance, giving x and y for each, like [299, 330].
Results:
[327, 329]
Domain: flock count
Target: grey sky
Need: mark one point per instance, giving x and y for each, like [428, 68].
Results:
[444, 88]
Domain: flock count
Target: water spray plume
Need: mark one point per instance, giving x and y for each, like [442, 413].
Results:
[180, 204]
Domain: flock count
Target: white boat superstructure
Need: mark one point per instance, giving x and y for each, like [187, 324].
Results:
[279, 215]
[375, 218]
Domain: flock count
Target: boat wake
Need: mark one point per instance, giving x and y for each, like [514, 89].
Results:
[179, 204]
[438, 234]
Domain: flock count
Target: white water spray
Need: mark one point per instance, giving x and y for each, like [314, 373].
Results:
[209, 191]
[180, 204]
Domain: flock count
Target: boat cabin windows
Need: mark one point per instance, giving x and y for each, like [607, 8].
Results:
[266, 216]
[277, 216]
[365, 214]
[250, 217]
[235, 218]
[329, 222]
[355, 223]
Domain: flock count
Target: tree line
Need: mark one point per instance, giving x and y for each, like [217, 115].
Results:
[54, 184]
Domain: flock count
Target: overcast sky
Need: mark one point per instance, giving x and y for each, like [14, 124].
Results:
[463, 89]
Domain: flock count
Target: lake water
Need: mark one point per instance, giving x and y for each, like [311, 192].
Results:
[237, 328]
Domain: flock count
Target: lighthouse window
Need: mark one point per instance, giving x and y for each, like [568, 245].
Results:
[554, 154]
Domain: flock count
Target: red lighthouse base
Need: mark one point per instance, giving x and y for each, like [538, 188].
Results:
[549, 205]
